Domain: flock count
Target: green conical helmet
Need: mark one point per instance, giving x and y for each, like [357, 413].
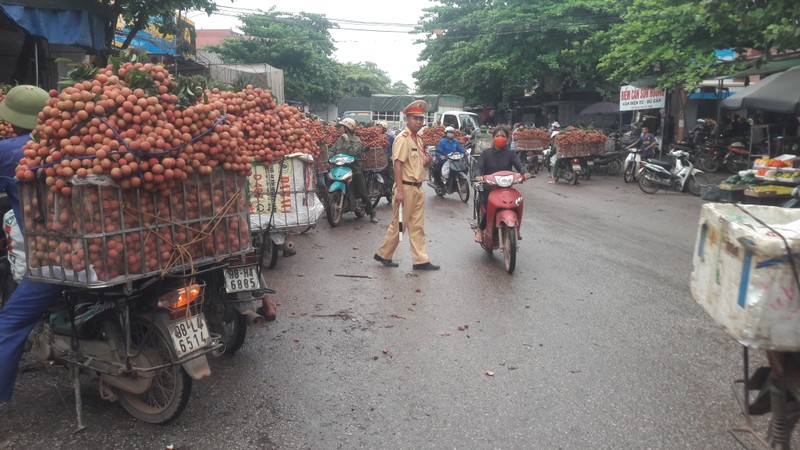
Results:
[22, 106]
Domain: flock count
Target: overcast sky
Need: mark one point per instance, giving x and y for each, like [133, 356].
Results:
[395, 53]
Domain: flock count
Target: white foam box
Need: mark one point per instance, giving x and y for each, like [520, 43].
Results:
[743, 277]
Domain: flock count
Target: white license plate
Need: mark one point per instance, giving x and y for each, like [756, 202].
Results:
[576, 167]
[189, 334]
[590, 162]
[243, 278]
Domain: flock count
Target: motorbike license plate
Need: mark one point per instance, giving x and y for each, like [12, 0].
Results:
[590, 162]
[577, 167]
[244, 278]
[189, 334]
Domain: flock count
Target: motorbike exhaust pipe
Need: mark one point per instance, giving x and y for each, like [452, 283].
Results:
[254, 320]
[288, 245]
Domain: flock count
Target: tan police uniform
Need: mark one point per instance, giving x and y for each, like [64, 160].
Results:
[408, 148]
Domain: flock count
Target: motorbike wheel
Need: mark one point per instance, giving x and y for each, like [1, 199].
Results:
[463, 189]
[508, 244]
[268, 249]
[374, 191]
[647, 185]
[232, 329]
[171, 386]
[334, 211]
[707, 163]
[692, 185]
[570, 176]
[269, 253]
[731, 166]
[614, 167]
[629, 175]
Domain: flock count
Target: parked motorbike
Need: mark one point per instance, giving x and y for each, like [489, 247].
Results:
[380, 183]
[710, 157]
[503, 213]
[457, 180]
[610, 162]
[340, 199]
[569, 169]
[143, 342]
[236, 300]
[737, 158]
[633, 165]
[663, 175]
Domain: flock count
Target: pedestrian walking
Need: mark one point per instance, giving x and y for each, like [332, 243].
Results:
[410, 160]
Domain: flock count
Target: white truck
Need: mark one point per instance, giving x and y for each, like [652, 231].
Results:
[443, 109]
[463, 121]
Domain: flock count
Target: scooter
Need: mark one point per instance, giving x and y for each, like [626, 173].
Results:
[143, 342]
[633, 165]
[663, 175]
[738, 158]
[340, 199]
[503, 213]
[457, 180]
[380, 183]
[610, 162]
[237, 299]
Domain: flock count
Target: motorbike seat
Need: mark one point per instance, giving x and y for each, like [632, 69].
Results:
[666, 165]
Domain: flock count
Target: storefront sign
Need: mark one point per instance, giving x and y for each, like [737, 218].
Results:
[632, 98]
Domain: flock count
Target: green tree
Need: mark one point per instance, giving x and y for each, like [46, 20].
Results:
[139, 14]
[399, 88]
[674, 40]
[490, 50]
[364, 79]
[300, 44]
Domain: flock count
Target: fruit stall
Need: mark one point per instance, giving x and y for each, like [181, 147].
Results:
[770, 182]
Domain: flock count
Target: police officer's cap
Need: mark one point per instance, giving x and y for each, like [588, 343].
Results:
[416, 108]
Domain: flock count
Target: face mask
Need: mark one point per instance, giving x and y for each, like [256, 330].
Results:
[500, 142]
[451, 135]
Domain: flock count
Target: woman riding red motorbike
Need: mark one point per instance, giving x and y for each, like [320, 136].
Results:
[496, 159]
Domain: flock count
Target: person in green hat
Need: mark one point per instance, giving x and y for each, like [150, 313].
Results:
[31, 299]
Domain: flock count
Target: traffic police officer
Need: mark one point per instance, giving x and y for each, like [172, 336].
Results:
[410, 160]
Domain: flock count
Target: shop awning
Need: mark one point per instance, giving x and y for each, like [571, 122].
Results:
[59, 26]
[768, 67]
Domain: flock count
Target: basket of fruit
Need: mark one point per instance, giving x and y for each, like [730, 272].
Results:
[573, 142]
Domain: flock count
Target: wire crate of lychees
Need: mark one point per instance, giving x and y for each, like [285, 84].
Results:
[530, 144]
[374, 158]
[92, 233]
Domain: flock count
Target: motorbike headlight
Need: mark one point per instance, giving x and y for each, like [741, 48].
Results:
[505, 181]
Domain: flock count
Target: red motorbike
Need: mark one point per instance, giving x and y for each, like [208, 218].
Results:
[503, 212]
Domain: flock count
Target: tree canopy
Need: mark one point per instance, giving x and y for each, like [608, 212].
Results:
[489, 50]
[675, 40]
[364, 79]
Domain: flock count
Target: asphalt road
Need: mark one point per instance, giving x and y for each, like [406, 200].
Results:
[594, 342]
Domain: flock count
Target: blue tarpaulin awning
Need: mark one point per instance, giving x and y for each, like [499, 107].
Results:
[59, 26]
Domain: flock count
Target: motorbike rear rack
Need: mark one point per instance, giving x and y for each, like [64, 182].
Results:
[86, 361]
[762, 380]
